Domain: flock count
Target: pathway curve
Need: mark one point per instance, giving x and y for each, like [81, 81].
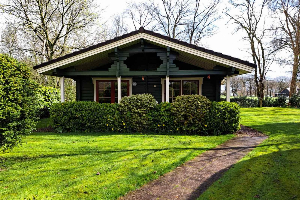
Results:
[190, 180]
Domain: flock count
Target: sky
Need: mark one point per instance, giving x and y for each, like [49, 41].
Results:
[224, 40]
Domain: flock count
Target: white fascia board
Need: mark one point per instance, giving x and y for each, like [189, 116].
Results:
[151, 38]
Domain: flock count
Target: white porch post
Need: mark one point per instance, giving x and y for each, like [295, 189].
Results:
[119, 89]
[167, 88]
[228, 88]
[62, 89]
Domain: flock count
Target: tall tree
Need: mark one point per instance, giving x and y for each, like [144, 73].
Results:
[250, 19]
[140, 15]
[288, 33]
[171, 16]
[51, 27]
[201, 21]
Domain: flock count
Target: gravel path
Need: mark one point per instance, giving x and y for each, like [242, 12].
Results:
[191, 179]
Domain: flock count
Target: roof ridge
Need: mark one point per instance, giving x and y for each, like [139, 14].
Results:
[143, 30]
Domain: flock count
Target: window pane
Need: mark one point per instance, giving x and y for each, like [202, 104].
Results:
[174, 90]
[124, 90]
[104, 89]
[190, 87]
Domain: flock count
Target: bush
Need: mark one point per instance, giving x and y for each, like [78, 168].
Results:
[18, 103]
[190, 112]
[269, 102]
[295, 101]
[47, 97]
[223, 118]
[84, 116]
[134, 112]
[245, 102]
[280, 101]
[162, 119]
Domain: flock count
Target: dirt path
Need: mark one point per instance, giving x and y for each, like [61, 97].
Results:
[191, 179]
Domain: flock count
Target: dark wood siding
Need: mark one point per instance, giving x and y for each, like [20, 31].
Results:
[84, 89]
[211, 88]
[148, 86]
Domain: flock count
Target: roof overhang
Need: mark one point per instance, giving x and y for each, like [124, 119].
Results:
[182, 48]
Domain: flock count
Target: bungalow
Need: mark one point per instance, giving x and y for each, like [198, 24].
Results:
[145, 62]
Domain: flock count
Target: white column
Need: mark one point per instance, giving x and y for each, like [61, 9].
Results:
[167, 88]
[119, 89]
[62, 89]
[228, 88]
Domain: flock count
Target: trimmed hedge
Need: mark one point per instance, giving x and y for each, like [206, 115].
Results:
[295, 101]
[223, 118]
[189, 114]
[249, 102]
[18, 104]
[134, 112]
[85, 116]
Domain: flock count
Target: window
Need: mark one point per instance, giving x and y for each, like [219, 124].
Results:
[179, 87]
[107, 90]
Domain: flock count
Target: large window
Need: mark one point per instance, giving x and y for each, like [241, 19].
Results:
[107, 90]
[181, 87]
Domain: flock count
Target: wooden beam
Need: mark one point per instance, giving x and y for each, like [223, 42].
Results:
[142, 73]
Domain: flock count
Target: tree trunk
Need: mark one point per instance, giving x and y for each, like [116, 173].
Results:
[294, 75]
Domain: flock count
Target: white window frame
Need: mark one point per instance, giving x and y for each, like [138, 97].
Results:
[200, 79]
[111, 79]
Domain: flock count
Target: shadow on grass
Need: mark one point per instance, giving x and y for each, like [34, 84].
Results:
[270, 176]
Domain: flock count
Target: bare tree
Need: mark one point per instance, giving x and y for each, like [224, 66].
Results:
[288, 33]
[118, 26]
[141, 15]
[201, 21]
[172, 18]
[51, 25]
[250, 20]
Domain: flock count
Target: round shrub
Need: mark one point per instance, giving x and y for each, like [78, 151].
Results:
[18, 104]
[190, 112]
[134, 112]
[223, 118]
[295, 100]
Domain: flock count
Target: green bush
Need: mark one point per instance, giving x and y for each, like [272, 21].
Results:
[190, 112]
[85, 116]
[246, 102]
[18, 105]
[223, 118]
[280, 101]
[162, 119]
[47, 97]
[134, 112]
[295, 101]
[269, 102]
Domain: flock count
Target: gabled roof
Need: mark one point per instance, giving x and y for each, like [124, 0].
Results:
[155, 38]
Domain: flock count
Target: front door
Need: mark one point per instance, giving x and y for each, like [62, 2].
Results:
[107, 90]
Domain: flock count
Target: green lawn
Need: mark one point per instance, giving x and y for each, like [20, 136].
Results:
[93, 166]
[272, 170]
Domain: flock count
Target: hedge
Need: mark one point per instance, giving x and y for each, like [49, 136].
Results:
[249, 102]
[18, 104]
[189, 114]
[85, 116]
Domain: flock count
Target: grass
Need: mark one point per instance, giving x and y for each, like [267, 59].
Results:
[270, 171]
[93, 165]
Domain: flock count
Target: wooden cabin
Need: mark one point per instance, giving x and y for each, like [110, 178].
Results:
[145, 62]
